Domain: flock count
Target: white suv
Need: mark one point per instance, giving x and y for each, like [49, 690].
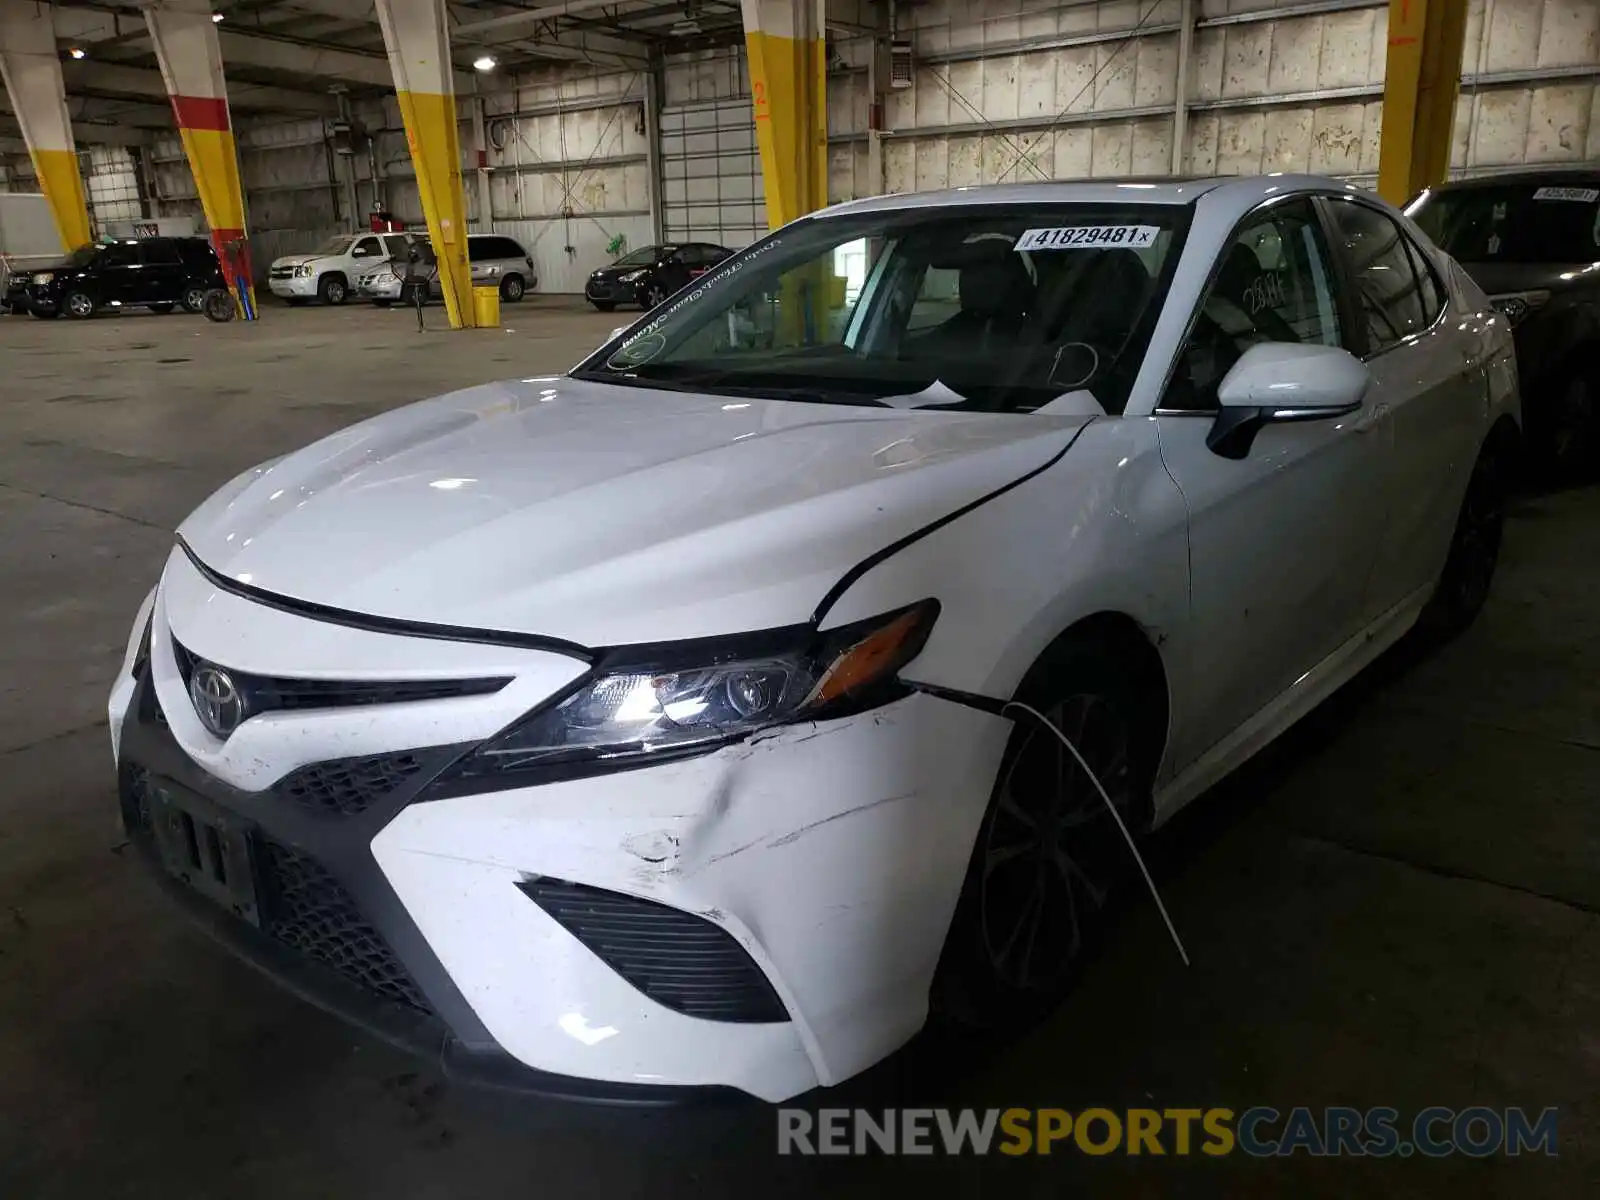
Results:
[329, 273]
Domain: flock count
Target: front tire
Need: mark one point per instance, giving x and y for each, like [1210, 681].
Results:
[1463, 585]
[80, 306]
[333, 290]
[1048, 856]
[511, 289]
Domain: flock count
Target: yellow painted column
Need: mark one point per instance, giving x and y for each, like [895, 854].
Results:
[788, 88]
[417, 36]
[1420, 85]
[185, 40]
[31, 68]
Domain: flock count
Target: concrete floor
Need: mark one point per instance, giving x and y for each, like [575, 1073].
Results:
[1395, 906]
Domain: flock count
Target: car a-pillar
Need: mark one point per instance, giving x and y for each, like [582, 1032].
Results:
[787, 54]
[416, 34]
[31, 68]
[1422, 76]
[186, 46]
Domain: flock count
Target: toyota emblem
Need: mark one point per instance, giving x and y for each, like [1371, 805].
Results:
[216, 700]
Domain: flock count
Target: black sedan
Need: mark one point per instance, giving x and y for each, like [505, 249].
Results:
[648, 276]
[1531, 240]
[155, 273]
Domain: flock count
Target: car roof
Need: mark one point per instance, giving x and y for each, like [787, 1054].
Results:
[1152, 189]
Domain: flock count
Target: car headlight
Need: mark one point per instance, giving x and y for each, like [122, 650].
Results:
[302, 272]
[489, 270]
[636, 707]
[1514, 306]
[631, 277]
[44, 277]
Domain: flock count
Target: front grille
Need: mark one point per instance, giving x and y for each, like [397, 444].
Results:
[677, 959]
[268, 693]
[280, 273]
[309, 912]
[348, 786]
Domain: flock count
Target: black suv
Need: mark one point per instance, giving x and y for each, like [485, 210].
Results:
[1532, 241]
[158, 273]
[647, 277]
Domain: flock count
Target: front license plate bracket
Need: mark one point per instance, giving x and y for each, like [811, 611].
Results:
[206, 849]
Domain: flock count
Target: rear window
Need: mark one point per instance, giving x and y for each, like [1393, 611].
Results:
[1518, 223]
[484, 249]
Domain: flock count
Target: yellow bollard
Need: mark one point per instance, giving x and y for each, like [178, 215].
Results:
[486, 306]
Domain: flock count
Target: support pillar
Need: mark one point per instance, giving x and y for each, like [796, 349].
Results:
[1421, 81]
[416, 33]
[31, 68]
[186, 46]
[788, 85]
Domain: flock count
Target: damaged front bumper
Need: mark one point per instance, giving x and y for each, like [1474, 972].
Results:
[764, 918]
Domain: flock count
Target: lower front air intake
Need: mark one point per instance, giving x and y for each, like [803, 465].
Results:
[681, 961]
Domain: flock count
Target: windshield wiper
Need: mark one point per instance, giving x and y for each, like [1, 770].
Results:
[727, 382]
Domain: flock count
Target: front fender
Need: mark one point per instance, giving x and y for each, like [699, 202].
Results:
[1103, 529]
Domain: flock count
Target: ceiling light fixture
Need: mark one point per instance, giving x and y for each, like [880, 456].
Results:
[485, 62]
[76, 52]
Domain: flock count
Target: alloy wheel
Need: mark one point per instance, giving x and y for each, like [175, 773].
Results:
[1575, 424]
[1051, 850]
[194, 299]
[80, 305]
[657, 296]
[335, 292]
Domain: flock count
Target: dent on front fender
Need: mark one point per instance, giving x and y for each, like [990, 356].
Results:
[834, 852]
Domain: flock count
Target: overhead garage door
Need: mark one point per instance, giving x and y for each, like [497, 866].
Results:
[711, 173]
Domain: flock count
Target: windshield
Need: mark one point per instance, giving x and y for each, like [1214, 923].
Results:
[998, 308]
[641, 258]
[333, 247]
[1517, 223]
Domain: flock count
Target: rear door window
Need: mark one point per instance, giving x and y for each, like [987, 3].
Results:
[1382, 270]
[161, 252]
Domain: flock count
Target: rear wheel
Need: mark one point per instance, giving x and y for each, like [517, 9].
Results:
[655, 297]
[194, 299]
[1049, 857]
[1474, 547]
[511, 289]
[79, 305]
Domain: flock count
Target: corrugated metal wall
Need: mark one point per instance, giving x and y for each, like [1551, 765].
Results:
[1002, 90]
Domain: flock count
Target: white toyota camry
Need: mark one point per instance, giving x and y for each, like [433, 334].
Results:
[658, 726]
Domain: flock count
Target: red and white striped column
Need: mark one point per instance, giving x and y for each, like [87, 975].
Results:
[186, 45]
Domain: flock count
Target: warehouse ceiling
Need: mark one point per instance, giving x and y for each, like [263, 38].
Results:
[291, 56]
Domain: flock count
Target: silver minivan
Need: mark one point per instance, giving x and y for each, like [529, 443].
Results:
[495, 259]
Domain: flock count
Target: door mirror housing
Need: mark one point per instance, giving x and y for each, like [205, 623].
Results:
[1281, 382]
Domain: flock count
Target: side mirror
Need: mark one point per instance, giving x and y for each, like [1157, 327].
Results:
[1281, 382]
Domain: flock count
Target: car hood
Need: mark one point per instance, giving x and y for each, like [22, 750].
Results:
[605, 514]
[1498, 278]
[301, 260]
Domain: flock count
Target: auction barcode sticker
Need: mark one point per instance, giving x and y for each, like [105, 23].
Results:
[1587, 195]
[1088, 237]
